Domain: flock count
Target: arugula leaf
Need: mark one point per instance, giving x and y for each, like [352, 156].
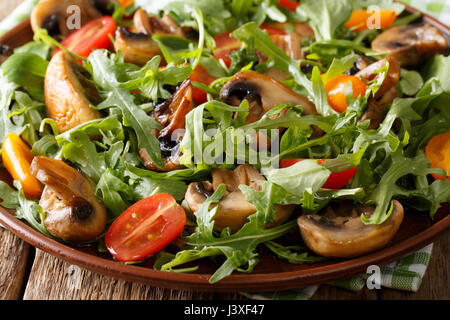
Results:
[107, 73]
[280, 59]
[145, 185]
[9, 198]
[7, 90]
[291, 253]
[388, 188]
[28, 71]
[115, 193]
[325, 16]
[298, 177]
[150, 81]
[30, 211]
[438, 67]
[440, 193]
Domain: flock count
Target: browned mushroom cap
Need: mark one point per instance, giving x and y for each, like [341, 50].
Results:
[73, 212]
[68, 94]
[55, 15]
[234, 209]
[342, 234]
[138, 48]
[411, 44]
[171, 114]
[263, 93]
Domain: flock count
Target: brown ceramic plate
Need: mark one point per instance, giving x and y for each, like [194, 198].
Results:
[271, 274]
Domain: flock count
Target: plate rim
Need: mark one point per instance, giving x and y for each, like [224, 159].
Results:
[236, 282]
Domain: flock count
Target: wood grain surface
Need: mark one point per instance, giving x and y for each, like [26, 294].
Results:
[27, 273]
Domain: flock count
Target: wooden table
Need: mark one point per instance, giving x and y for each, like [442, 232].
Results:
[29, 273]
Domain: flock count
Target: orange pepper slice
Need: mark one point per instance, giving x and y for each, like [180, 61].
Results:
[363, 19]
[336, 87]
[438, 153]
[126, 3]
[17, 157]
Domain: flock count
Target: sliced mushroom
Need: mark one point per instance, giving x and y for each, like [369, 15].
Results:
[68, 94]
[342, 234]
[300, 28]
[263, 93]
[411, 44]
[55, 15]
[171, 114]
[386, 93]
[376, 111]
[138, 48]
[360, 64]
[234, 209]
[73, 212]
[153, 25]
[392, 76]
[291, 44]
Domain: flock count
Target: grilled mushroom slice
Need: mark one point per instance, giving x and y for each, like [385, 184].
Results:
[411, 44]
[73, 212]
[342, 234]
[262, 93]
[392, 76]
[153, 25]
[138, 48]
[54, 15]
[171, 114]
[234, 209]
[68, 94]
[386, 93]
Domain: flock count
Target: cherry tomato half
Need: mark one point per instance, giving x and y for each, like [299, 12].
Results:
[362, 19]
[225, 45]
[438, 153]
[337, 180]
[145, 228]
[200, 75]
[289, 4]
[336, 87]
[93, 35]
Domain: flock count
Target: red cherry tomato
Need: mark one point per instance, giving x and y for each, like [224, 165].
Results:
[225, 45]
[145, 228]
[336, 87]
[93, 35]
[337, 180]
[289, 4]
[200, 75]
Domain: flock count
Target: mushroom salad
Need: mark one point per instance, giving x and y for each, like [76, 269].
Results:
[175, 130]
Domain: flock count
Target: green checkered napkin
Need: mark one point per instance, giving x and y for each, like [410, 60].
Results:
[439, 9]
[404, 274]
